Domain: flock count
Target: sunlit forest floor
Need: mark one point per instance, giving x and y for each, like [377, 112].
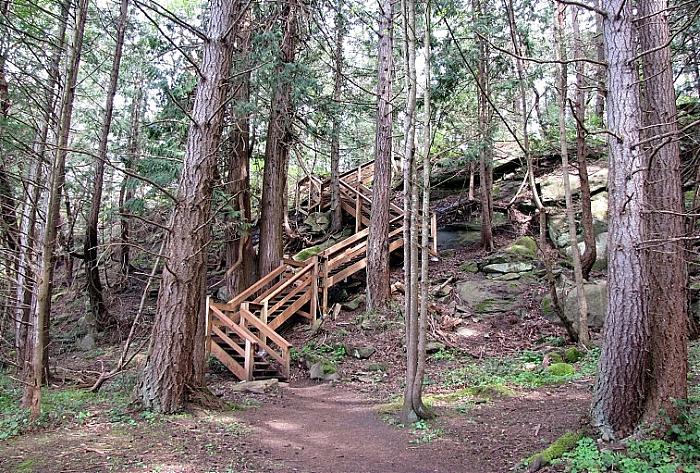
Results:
[503, 384]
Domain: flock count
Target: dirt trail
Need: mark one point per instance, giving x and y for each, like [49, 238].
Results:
[332, 429]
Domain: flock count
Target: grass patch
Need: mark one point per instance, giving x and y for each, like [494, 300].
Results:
[514, 372]
[59, 406]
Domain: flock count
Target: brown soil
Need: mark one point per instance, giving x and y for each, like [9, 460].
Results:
[331, 428]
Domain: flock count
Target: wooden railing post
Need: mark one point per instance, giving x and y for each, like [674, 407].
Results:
[358, 212]
[249, 362]
[314, 289]
[207, 330]
[433, 231]
[324, 283]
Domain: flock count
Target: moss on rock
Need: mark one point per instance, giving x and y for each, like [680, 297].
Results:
[561, 369]
[558, 448]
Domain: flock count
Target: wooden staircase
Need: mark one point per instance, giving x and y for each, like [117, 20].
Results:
[243, 333]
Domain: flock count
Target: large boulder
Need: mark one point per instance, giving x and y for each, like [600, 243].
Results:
[488, 296]
[601, 250]
[552, 185]
[319, 222]
[524, 248]
[596, 298]
[503, 268]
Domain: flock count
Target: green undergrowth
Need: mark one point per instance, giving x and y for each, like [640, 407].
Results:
[423, 431]
[678, 451]
[64, 406]
[556, 450]
[527, 370]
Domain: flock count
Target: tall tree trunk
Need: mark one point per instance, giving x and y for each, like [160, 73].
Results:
[279, 142]
[92, 270]
[336, 207]
[560, 24]
[601, 90]
[378, 283]
[40, 317]
[240, 254]
[666, 271]
[589, 253]
[409, 209]
[522, 84]
[418, 405]
[126, 190]
[486, 144]
[27, 259]
[176, 354]
[618, 400]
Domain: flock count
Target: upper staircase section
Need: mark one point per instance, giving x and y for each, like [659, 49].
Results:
[243, 333]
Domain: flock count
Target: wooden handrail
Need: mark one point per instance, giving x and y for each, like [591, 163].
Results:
[291, 280]
[275, 337]
[256, 287]
[290, 294]
[249, 336]
[344, 243]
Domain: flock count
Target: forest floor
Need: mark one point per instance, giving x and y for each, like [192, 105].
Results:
[488, 380]
[496, 404]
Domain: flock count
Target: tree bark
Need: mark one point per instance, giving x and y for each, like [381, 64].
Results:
[240, 254]
[336, 207]
[378, 283]
[410, 252]
[601, 91]
[560, 23]
[40, 317]
[92, 270]
[619, 395]
[589, 253]
[27, 258]
[520, 67]
[175, 358]
[126, 191]
[279, 142]
[666, 271]
[419, 408]
[485, 133]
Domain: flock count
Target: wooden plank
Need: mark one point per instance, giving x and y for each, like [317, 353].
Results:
[287, 283]
[314, 289]
[235, 302]
[228, 341]
[349, 271]
[274, 336]
[249, 361]
[291, 310]
[232, 365]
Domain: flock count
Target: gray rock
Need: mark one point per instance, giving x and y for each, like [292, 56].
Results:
[261, 386]
[359, 352]
[355, 303]
[504, 268]
[319, 222]
[223, 294]
[316, 371]
[508, 277]
[486, 296]
[601, 249]
[552, 185]
[321, 371]
[87, 343]
[434, 347]
[596, 298]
